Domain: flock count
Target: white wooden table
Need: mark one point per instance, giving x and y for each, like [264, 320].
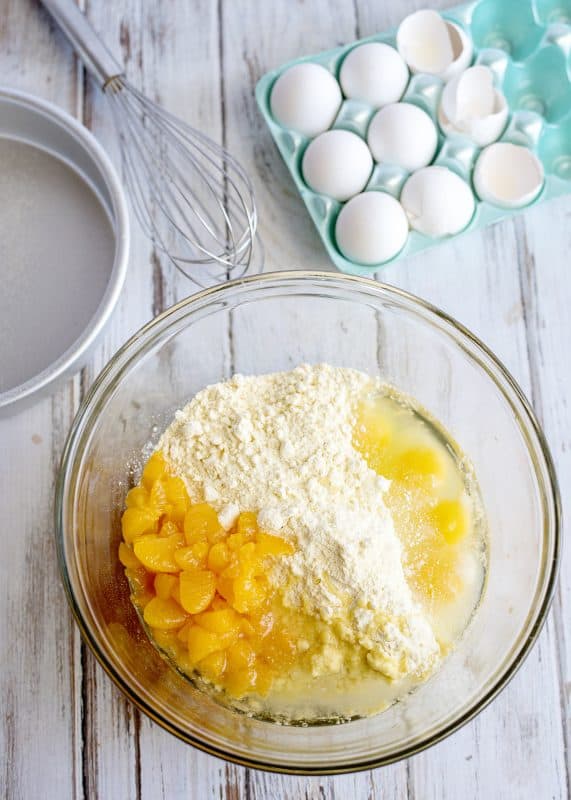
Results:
[66, 731]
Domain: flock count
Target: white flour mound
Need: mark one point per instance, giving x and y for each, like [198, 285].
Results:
[281, 445]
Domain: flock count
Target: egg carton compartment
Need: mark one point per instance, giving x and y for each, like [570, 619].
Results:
[527, 46]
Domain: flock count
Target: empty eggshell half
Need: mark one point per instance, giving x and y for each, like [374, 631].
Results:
[371, 228]
[374, 73]
[462, 50]
[437, 202]
[337, 163]
[471, 106]
[306, 98]
[402, 134]
[508, 175]
[430, 44]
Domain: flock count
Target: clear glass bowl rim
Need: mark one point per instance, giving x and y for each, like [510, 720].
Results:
[476, 350]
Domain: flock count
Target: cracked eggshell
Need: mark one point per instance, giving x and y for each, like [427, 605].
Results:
[403, 134]
[462, 50]
[374, 73]
[430, 44]
[471, 106]
[508, 175]
[306, 98]
[437, 202]
[337, 163]
[371, 228]
[469, 95]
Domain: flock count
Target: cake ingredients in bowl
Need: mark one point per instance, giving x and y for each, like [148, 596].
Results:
[305, 543]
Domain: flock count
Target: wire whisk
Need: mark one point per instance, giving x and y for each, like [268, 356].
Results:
[190, 196]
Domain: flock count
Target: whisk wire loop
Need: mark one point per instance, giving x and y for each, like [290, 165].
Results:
[189, 195]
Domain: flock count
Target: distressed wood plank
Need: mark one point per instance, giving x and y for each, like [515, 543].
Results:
[40, 689]
[544, 243]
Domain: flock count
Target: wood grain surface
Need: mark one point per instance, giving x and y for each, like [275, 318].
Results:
[66, 732]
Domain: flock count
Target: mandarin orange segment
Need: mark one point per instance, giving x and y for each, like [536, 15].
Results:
[201, 522]
[236, 540]
[233, 569]
[218, 557]
[225, 620]
[200, 552]
[247, 524]
[269, 545]
[164, 614]
[164, 585]
[141, 598]
[158, 497]
[240, 682]
[136, 522]
[176, 492]
[250, 563]
[157, 553]
[213, 666]
[176, 514]
[138, 497]
[202, 643]
[189, 557]
[139, 578]
[127, 557]
[249, 594]
[246, 627]
[241, 655]
[168, 528]
[225, 587]
[182, 634]
[153, 471]
[197, 589]
[167, 639]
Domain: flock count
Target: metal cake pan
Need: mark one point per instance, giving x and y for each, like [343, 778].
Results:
[31, 121]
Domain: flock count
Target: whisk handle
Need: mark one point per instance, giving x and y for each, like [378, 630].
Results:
[92, 51]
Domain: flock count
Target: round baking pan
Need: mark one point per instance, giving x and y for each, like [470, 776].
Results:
[64, 242]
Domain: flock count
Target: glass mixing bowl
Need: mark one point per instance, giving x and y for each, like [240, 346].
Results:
[274, 322]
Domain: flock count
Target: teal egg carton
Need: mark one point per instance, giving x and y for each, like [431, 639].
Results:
[526, 44]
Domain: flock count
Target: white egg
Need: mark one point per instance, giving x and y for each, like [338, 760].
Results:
[508, 175]
[402, 134]
[337, 163]
[306, 98]
[374, 73]
[430, 44]
[471, 106]
[371, 228]
[437, 202]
